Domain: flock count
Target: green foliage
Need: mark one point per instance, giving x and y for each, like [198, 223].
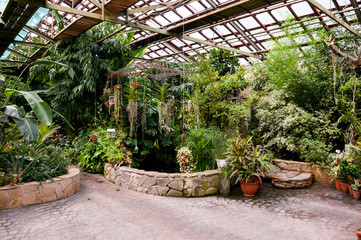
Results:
[33, 162]
[222, 62]
[315, 151]
[248, 162]
[91, 62]
[25, 122]
[210, 92]
[203, 143]
[282, 125]
[343, 170]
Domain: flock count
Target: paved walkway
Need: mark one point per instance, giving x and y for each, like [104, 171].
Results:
[102, 210]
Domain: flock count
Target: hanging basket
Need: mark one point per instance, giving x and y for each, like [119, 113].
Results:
[94, 138]
[118, 86]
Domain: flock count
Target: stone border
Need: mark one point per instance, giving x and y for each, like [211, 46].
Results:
[34, 193]
[165, 184]
[293, 165]
[320, 174]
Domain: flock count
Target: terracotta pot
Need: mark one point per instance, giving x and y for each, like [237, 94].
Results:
[338, 184]
[350, 190]
[249, 189]
[358, 235]
[94, 138]
[344, 187]
[356, 194]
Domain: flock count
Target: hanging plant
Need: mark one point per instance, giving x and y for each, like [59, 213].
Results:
[165, 112]
[185, 160]
[132, 105]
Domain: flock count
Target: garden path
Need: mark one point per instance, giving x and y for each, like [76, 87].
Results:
[102, 210]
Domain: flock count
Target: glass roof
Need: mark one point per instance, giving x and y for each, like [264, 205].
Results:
[248, 26]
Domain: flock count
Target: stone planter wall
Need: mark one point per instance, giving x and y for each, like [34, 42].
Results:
[165, 184]
[293, 165]
[320, 174]
[34, 193]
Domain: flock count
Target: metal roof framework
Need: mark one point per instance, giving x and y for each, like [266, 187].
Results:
[175, 29]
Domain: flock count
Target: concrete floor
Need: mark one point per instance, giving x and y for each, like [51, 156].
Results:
[102, 210]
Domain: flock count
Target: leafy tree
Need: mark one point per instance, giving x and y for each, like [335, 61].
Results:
[91, 62]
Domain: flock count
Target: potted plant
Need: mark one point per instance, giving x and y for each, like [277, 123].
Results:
[342, 173]
[220, 148]
[356, 187]
[333, 173]
[248, 163]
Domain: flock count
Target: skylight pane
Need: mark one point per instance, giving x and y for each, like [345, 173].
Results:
[282, 14]
[302, 9]
[249, 22]
[265, 18]
[183, 11]
[172, 16]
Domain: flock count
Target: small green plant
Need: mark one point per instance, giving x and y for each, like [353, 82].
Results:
[356, 186]
[343, 170]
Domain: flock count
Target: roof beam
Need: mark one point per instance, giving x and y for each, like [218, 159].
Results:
[357, 11]
[147, 28]
[333, 16]
[19, 54]
[32, 44]
[17, 62]
[39, 33]
[152, 7]
[99, 5]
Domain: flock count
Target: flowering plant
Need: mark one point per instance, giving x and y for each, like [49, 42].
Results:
[185, 160]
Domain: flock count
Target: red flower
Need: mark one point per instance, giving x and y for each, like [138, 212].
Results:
[135, 84]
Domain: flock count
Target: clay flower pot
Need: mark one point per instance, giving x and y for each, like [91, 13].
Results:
[350, 190]
[356, 194]
[358, 234]
[94, 138]
[249, 189]
[338, 184]
[344, 187]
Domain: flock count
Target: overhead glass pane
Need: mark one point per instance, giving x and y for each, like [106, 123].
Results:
[161, 20]
[171, 16]
[282, 14]
[326, 3]
[222, 30]
[302, 9]
[197, 35]
[183, 11]
[249, 22]
[196, 6]
[265, 18]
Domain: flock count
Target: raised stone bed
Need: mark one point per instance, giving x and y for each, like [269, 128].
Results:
[165, 184]
[291, 174]
[34, 193]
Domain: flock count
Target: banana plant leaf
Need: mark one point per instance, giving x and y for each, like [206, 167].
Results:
[40, 108]
[28, 128]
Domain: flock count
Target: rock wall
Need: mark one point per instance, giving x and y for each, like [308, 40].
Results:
[34, 193]
[293, 165]
[165, 184]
